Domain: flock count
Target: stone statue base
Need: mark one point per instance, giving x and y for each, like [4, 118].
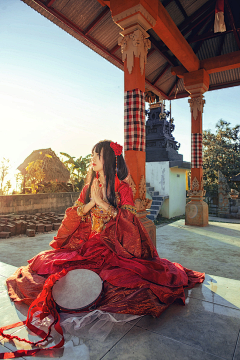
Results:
[196, 213]
[148, 224]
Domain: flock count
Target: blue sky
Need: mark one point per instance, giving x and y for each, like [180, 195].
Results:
[57, 93]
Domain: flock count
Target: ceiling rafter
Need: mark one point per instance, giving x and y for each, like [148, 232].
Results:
[198, 21]
[75, 28]
[94, 23]
[179, 5]
[198, 28]
[232, 22]
[151, 51]
[157, 89]
[209, 35]
[219, 50]
[50, 2]
[194, 16]
[114, 49]
[175, 84]
[161, 74]
[167, 57]
[199, 43]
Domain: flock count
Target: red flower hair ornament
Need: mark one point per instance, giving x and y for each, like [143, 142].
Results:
[116, 148]
[117, 151]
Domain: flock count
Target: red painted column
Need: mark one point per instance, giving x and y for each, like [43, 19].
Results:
[196, 83]
[135, 17]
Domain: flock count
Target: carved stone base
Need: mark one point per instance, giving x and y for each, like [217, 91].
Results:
[148, 224]
[196, 213]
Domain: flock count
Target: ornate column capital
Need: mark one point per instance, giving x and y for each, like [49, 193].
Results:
[196, 104]
[135, 44]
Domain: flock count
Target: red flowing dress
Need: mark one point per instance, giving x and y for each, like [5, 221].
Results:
[136, 281]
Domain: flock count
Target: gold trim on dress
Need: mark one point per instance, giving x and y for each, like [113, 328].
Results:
[130, 208]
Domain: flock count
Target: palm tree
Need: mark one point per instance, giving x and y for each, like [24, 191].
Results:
[78, 169]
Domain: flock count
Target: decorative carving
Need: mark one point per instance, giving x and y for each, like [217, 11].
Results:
[143, 204]
[199, 193]
[195, 184]
[135, 44]
[196, 104]
[142, 188]
[132, 184]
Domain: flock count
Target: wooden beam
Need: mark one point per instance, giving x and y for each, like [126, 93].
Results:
[167, 30]
[213, 65]
[161, 74]
[151, 51]
[173, 87]
[197, 22]
[208, 35]
[231, 19]
[91, 26]
[50, 2]
[179, 5]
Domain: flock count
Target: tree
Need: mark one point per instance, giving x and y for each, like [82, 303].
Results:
[221, 151]
[34, 175]
[78, 169]
[4, 167]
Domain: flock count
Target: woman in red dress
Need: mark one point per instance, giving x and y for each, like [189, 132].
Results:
[102, 233]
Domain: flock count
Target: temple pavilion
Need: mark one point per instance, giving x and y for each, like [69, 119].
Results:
[167, 49]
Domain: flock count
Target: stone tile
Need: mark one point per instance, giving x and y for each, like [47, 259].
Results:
[237, 350]
[141, 344]
[10, 312]
[206, 326]
[88, 348]
[3, 349]
[214, 249]
[218, 290]
[3, 285]
[6, 269]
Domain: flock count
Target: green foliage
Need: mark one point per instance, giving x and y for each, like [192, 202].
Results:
[78, 169]
[4, 167]
[221, 151]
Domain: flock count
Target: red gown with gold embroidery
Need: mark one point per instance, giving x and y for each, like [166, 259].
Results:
[119, 250]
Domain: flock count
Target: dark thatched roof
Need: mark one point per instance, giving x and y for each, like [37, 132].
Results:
[235, 178]
[53, 168]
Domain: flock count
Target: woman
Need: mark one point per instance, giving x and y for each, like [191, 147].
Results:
[102, 233]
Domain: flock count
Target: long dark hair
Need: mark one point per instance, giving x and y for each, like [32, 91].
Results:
[109, 169]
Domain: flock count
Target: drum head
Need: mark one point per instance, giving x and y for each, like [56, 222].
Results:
[78, 289]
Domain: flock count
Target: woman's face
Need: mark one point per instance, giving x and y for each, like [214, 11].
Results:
[97, 161]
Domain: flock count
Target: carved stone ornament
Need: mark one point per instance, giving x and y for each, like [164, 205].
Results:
[132, 184]
[142, 188]
[196, 104]
[195, 184]
[135, 44]
[199, 193]
[143, 203]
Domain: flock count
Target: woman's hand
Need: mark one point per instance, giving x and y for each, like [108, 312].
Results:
[96, 192]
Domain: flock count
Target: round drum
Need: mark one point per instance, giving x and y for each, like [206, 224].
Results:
[79, 290]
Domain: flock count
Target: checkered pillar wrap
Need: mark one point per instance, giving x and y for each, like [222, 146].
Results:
[134, 120]
[197, 151]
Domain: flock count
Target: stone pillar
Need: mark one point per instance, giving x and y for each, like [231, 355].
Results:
[196, 83]
[134, 18]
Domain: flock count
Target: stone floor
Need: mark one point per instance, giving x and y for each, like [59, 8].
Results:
[207, 327]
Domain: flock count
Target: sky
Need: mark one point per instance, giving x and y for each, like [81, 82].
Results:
[57, 93]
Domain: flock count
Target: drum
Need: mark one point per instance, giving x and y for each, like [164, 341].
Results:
[79, 290]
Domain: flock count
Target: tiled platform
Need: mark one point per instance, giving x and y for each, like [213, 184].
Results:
[206, 328]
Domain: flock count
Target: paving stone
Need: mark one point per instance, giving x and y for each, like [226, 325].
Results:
[30, 232]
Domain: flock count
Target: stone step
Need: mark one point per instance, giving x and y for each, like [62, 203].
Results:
[155, 207]
[157, 202]
[148, 185]
[151, 217]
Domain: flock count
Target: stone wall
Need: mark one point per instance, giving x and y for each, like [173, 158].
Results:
[37, 203]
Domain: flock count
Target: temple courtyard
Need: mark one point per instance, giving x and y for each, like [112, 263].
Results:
[206, 328]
